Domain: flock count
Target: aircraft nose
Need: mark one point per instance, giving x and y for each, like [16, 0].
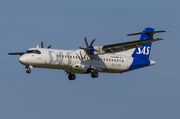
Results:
[23, 60]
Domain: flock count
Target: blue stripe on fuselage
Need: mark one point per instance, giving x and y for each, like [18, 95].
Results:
[138, 63]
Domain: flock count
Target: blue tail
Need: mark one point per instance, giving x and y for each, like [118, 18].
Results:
[141, 54]
[144, 51]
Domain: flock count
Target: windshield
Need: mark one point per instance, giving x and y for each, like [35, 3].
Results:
[33, 51]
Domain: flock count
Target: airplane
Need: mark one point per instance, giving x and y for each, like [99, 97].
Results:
[113, 58]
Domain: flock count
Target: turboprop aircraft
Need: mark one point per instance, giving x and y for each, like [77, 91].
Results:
[113, 58]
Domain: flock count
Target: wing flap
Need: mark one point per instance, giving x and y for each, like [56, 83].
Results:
[128, 45]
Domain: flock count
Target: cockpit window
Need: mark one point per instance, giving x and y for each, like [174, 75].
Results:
[33, 51]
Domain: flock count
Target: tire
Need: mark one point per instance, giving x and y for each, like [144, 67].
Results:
[28, 71]
[69, 76]
[72, 76]
[94, 74]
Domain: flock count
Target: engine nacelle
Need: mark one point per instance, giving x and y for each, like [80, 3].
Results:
[98, 50]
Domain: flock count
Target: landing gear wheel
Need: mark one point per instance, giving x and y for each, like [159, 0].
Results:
[94, 74]
[28, 71]
[72, 76]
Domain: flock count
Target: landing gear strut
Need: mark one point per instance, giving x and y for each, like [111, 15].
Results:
[94, 74]
[71, 76]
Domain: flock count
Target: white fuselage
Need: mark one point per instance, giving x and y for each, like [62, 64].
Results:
[75, 61]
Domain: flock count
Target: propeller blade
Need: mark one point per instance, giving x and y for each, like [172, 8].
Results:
[42, 44]
[49, 46]
[81, 48]
[92, 42]
[86, 41]
[87, 49]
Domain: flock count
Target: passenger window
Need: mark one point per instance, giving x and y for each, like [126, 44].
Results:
[114, 60]
[106, 59]
[65, 56]
[70, 56]
[109, 59]
[122, 61]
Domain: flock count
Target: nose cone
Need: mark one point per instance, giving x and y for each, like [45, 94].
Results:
[23, 60]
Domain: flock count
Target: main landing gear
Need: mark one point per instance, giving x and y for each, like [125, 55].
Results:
[71, 76]
[94, 74]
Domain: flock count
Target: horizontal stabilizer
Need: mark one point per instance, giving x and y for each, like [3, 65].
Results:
[17, 53]
[153, 32]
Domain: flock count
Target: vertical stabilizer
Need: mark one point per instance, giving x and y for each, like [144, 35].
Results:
[144, 51]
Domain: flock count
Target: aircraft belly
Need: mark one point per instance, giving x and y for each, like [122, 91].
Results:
[110, 70]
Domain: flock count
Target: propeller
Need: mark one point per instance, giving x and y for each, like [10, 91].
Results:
[88, 49]
[42, 46]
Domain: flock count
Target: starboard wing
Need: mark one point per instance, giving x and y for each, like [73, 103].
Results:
[128, 45]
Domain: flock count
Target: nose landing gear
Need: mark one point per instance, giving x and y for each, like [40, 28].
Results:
[29, 69]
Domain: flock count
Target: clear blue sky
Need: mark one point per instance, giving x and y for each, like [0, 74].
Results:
[148, 93]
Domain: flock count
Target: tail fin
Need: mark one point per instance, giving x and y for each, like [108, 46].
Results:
[144, 51]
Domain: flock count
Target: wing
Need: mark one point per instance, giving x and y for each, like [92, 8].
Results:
[128, 45]
[16, 53]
